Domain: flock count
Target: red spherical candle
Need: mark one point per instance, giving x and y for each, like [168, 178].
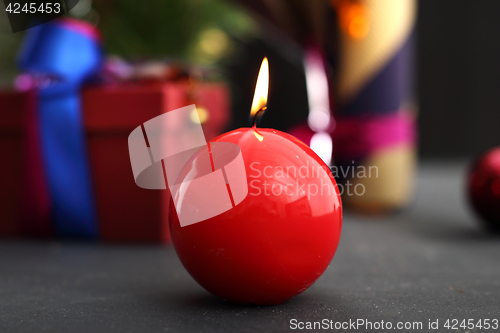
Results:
[484, 188]
[273, 231]
[280, 239]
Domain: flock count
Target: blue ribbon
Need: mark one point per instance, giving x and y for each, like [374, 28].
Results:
[65, 56]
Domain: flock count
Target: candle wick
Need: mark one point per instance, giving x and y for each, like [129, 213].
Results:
[256, 117]
[254, 120]
[259, 136]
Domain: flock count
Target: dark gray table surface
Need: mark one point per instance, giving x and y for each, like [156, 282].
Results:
[427, 263]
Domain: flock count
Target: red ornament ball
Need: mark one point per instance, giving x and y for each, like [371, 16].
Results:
[280, 239]
[484, 188]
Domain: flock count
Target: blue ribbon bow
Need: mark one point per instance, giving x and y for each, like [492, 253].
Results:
[64, 53]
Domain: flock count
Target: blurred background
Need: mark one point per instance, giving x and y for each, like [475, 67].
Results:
[458, 73]
[410, 87]
[363, 82]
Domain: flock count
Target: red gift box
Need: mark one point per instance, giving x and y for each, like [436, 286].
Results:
[126, 212]
[24, 201]
[14, 108]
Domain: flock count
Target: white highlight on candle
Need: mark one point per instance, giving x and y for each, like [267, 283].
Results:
[319, 119]
[321, 144]
[317, 92]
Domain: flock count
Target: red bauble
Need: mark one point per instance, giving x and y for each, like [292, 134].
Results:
[275, 243]
[484, 188]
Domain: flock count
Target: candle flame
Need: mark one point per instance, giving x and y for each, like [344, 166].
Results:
[261, 90]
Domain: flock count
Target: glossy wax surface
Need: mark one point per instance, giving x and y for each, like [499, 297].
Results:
[280, 239]
[484, 188]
